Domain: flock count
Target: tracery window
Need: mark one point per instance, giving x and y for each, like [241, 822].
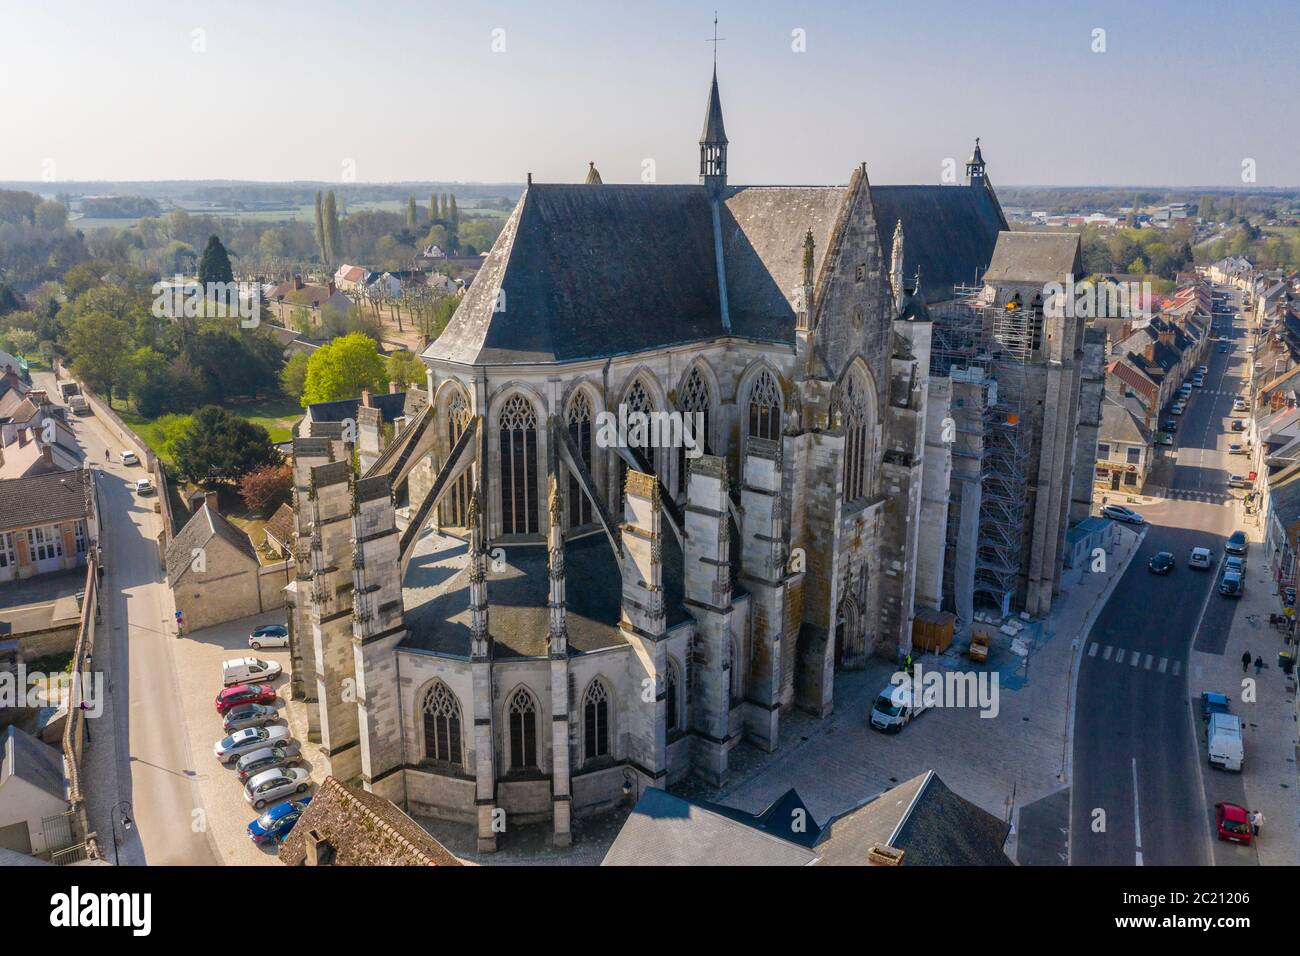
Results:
[442, 725]
[523, 730]
[856, 424]
[595, 721]
[695, 398]
[518, 427]
[765, 407]
[455, 507]
[579, 418]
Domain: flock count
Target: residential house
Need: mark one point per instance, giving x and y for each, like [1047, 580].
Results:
[47, 522]
[349, 826]
[347, 278]
[295, 295]
[1124, 445]
[32, 792]
[1232, 270]
[215, 574]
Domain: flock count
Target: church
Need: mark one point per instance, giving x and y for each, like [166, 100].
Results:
[500, 618]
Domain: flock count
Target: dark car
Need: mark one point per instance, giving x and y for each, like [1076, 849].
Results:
[1161, 563]
[286, 754]
[1238, 425]
[1236, 543]
[232, 697]
[1169, 425]
[1212, 703]
[274, 825]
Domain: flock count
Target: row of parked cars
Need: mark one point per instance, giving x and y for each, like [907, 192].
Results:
[1232, 582]
[266, 758]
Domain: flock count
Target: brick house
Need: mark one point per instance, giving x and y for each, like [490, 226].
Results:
[47, 523]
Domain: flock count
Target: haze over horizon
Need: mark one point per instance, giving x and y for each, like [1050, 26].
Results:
[179, 91]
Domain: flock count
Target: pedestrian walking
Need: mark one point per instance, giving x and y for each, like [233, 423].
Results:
[1259, 664]
[105, 454]
[1245, 661]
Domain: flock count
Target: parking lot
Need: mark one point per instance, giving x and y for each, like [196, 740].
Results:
[198, 667]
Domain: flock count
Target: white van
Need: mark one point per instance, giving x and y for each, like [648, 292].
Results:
[1223, 741]
[894, 707]
[248, 670]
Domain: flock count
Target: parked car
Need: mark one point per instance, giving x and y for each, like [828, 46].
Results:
[270, 785]
[1232, 823]
[1212, 703]
[1176, 408]
[1199, 381]
[1236, 543]
[1161, 563]
[287, 754]
[143, 486]
[1164, 438]
[129, 458]
[1236, 448]
[229, 749]
[895, 707]
[1238, 481]
[233, 697]
[1238, 425]
[1235, 562]
[1200, 558]
[270, 635]
[1231, 584]
[240, 670]
[1239, 405]
[1204, 370]
[1120, 513]
[249, 715]
[1223, 742]
[1169, 425]
[274, 825]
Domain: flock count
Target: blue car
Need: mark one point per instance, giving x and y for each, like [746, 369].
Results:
[274, 825]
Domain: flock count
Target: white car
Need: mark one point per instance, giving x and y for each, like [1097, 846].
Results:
[271, 635]
[1176, 408]
[1239, 405]
[1237, 449]
[143, 486]
[129, 458]
[1200, 558]
[229, 749]
[1238, 481]
[1204, 370]
[270, 785]
[248, 670]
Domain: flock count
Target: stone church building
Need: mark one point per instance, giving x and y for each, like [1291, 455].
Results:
[504, 619]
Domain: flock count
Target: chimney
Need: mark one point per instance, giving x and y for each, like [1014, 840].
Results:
[297, 282]
[365, 397]
[210, 499]
[1150, 352]
[882, 855]
[392, 388]
[319, 851]
[330, 285]
[22, 438]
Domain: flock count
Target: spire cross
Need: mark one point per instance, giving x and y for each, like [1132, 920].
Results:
[715, 40]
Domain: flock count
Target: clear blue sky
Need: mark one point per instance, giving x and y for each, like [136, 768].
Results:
[291, 90]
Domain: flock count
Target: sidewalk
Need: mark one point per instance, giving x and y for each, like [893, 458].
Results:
[1269, 731]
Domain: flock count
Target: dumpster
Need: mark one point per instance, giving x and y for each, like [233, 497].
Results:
[932, 630]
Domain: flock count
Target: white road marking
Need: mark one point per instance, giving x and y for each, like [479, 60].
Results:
[1147, 665]
[1092, 651]
[1164, 662]
[1134, 660]
[1137, 816]
[1178, 666]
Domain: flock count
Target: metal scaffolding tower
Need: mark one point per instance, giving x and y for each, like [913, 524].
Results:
[974, 342]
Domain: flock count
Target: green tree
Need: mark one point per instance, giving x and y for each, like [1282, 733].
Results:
[433, 207]
[293, 377]
[320, 229]
[99, 346]
[333, 244]
[214, 264]
[411, 214]
[220, 446]
[342, 368]
[405, 368]
[147, 382]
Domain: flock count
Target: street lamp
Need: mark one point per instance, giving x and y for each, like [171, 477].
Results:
[122, 810]
[631, 781]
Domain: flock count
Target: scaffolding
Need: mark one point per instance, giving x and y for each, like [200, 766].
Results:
[988, 347]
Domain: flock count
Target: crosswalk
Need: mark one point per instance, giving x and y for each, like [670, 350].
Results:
[1125, 657]
[1212, 497]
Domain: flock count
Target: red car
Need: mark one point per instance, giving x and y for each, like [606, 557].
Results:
[1233, 823]
[245, 694]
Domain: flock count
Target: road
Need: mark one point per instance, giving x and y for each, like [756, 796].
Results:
[154, 771]
[1137, 791]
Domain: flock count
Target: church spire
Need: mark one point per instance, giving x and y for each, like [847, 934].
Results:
[713, 141]
[593, 175]
[896, 266]
[975, 166]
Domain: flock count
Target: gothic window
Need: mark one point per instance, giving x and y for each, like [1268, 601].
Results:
[638, 401]
[595, 721]
[580, 431]
[518, 426]
[695, 398]
[455, 506]
[765, 407]
[523, 730]
[856, 448]
[671, 697]
[442, 725]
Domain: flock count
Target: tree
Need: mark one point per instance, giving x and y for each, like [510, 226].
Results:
[9, 301]
[433, 208]
[266, 488]
[411, 214]
[342, 368]
[320, 229]
[294, 375]
[405, 368]
[147, 382]
[214, 264]
[333, 245]
[99, 345]
[220, 446]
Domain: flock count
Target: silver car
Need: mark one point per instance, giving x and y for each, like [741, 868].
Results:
[230, 749]
[268, 758]
[270, 785]
[249, 715]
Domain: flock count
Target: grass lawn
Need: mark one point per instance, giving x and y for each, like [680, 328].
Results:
[276, 415]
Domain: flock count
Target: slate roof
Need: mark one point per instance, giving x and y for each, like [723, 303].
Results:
[390, 404]
[43, 499]
[362, 829]
[923, 818]
[205, 525]
[667, 830]
[1284, 502]
[948, 231]
[1119, 425]
[26, 758]
[780, 818]
[1035, 257]
[436, 592]
[713, 131]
